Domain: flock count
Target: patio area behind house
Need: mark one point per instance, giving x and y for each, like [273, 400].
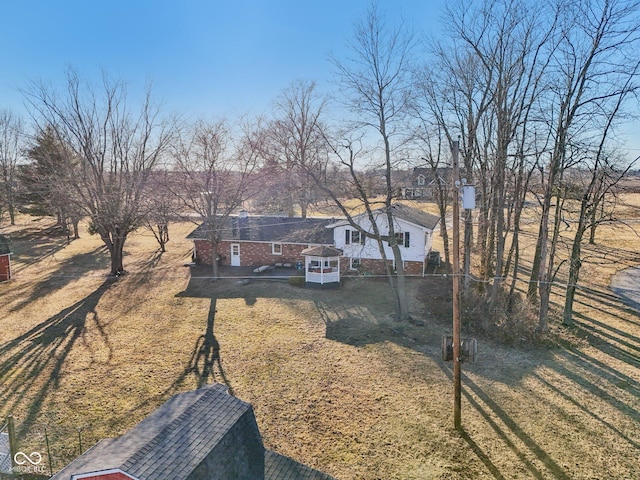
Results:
[225, 271]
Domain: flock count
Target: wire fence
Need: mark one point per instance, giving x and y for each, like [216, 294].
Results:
[36, 452]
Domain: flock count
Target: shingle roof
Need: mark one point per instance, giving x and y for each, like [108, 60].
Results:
[415, 216]
[284, 468]
[272, 229]
[174, 439]
[403, 212]
[323, 251]
[206, 433]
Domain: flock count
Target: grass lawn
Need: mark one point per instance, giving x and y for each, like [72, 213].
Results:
[334, 382]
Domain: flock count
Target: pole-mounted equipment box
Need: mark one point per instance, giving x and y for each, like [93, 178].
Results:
[468, 349]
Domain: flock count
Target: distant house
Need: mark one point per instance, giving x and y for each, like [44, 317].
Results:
[248, 240]
[413, 230]
[424, 183]
[202, 434]
[5, 259]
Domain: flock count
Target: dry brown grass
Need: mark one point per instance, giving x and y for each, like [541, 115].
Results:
[334, 382]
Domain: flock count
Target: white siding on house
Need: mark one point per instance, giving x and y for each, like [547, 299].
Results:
[420, 240]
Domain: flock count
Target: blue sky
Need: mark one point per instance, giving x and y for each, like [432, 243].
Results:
[204, 57]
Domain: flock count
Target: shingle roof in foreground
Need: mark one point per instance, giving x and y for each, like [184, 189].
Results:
[198, 434]
[284, 468]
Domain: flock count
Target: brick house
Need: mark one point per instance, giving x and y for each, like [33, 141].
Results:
[262, 240]
[202, 434]
[5, 259]
[256, 241]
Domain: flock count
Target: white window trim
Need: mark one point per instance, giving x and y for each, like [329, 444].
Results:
[273, 249]
[350, 233]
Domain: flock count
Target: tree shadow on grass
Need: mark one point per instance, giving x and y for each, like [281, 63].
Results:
[31, 245]
[205, 363]
[146, 270]
[204, 367]
[490, 409]
[616, 302]
[68, 270]
[31, 363]
[504, 365]
[360, 318]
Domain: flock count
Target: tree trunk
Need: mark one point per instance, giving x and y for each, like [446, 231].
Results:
[401, 286]
[12, 212]
[574, 271]
[163, 236]
[115, 245]
[499, 206]
[445, 239]
[214, 258]
[76, 228]
[594, 223]
[532, 291]
[575, 263]
[546, 274]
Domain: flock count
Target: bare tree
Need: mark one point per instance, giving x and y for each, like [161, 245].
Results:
[161, 205]
[214, 175]
[596, 52]
[452, 96]
[505, 44]
[116, 148]
[432, 142]
[294, 144]
[376, 81]
[599, 185]
[11, 132]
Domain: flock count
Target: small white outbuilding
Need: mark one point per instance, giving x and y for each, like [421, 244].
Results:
[322, 266]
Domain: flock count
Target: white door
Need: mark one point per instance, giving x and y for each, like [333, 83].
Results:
[235, 254]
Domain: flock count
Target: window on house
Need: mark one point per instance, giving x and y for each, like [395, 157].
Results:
[353, 237]
[276, 248]
[354, 263]
[420, 180]
[403, 239]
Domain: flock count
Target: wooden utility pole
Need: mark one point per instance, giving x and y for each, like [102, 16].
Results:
[457, 393]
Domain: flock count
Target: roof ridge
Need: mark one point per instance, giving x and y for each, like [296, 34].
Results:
[205, 394]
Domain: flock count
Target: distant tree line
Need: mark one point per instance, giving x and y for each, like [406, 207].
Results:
[536, 94]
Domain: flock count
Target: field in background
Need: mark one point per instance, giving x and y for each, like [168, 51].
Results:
[334, 382]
